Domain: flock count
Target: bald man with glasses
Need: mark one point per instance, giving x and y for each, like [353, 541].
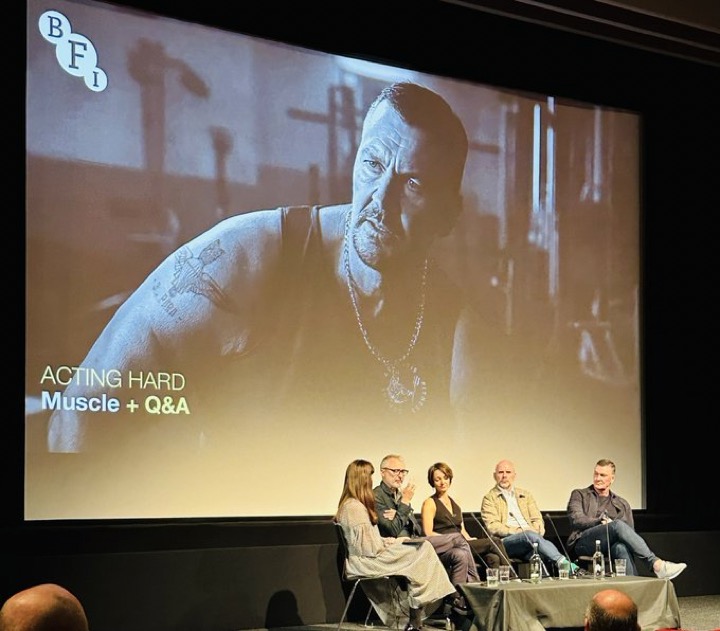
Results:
[392, 500]
[396, 519]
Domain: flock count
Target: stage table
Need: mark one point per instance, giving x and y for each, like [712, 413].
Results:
[522, 606]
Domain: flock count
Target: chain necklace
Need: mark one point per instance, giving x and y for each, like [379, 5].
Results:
[406, 389]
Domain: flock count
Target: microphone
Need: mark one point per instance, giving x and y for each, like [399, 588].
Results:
[475, 554]
[607, 519]
[497, 547]
[531, 545]
[557, 534]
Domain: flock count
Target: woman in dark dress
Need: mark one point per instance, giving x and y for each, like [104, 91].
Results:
[441, 514]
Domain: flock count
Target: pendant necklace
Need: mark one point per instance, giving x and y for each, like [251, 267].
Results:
[405, 389]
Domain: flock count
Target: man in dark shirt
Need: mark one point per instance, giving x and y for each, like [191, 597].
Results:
[596, 513]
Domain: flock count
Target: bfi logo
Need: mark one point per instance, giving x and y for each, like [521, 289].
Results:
[74, 52]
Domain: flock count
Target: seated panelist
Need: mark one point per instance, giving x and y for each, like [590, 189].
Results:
[393, 497]
[372, 555]
[441, 515]
[512, 513]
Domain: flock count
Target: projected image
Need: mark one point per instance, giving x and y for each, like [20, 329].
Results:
[250, 261]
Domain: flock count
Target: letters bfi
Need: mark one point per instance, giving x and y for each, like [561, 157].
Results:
[74, 52]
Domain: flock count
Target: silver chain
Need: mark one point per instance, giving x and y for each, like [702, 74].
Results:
[353, 298]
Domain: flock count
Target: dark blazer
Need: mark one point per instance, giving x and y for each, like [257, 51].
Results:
[582, 512]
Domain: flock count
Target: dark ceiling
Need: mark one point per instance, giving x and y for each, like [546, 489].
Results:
[688, 29]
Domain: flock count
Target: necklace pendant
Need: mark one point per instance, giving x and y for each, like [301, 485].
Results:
[406, 389]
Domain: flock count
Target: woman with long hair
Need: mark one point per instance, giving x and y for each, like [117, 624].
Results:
[370, 554]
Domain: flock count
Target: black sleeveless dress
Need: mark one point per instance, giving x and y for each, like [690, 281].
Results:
[484, 548]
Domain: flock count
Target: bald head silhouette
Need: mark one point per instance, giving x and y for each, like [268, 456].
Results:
[611, 610]
[45, 607]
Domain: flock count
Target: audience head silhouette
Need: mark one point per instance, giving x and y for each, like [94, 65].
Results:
[611, 610]
[45, 607]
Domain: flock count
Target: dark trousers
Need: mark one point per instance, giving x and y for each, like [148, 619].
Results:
[456, 556]
[490, 552]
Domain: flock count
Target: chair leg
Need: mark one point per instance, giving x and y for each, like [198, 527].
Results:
[370, 610]
[396, 606]
[396, 601]
[347, 605]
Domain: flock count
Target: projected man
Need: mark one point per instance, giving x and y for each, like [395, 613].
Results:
[313, 312]
[596, 512]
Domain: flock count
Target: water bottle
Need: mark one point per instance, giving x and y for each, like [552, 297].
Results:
[535, 565]
[598, 561]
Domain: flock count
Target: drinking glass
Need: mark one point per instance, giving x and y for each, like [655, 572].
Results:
[493, 577]
[504, 573]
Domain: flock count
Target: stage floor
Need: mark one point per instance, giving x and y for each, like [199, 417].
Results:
[697, 613]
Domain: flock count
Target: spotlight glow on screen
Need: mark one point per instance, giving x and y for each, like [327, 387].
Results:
[157, 143]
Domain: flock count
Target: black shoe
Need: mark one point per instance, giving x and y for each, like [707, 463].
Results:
[459, 606]
[411, 627]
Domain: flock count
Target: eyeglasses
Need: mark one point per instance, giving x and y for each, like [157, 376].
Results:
[397, 471]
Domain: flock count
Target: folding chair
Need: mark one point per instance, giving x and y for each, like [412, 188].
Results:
[394, 583]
